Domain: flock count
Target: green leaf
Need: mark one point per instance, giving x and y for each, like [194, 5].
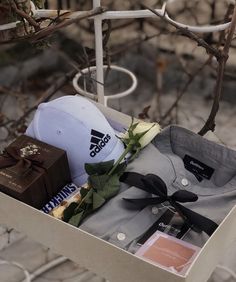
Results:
[98, 181]
[132, 141]
[76, 219]
[126, 141]
[120, 169]
[98, 201]
[69, 211]
[83, 192]
[134, 126]
[111, 187]
[135, 154]
[88, 197]
[85, 201]
[131, 134]
[99, 168]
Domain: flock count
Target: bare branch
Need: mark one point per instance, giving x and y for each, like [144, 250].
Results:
[25, 16]
[51, 29]
[185, 32]
[210, 123]
[46, 96]
[185, 88]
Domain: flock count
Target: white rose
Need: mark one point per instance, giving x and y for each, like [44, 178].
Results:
[137, 136]
[151, 129]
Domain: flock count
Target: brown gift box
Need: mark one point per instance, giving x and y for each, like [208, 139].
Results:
[32, 171]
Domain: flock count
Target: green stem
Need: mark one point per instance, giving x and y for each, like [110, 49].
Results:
[83, 199]
[135, 155]
[126, 151]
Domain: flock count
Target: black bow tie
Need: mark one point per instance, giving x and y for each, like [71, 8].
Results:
[155, 185]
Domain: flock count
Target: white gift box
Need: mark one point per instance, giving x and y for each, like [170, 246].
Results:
[102, 257]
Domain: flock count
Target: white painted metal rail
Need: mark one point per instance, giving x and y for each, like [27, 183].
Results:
[111, 15]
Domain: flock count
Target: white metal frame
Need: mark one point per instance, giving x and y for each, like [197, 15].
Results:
[93, 96]
[111, 15]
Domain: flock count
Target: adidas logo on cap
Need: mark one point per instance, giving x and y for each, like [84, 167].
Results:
[68, 116]
[98, 142]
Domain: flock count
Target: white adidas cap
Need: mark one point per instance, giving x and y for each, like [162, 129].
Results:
[77, 126]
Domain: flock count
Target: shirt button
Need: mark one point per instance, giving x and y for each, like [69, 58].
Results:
[121, 236]
[184, 182]
[155, 210]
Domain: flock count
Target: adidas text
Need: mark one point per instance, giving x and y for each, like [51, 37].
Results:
[100, 146]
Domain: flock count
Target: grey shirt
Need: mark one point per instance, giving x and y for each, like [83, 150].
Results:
[122, 225]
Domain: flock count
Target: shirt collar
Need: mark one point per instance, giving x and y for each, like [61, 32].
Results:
[175, 142]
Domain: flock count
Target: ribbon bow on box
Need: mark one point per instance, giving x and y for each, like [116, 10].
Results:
[33, 171]
[30, 181]
[21, 160]
[155, 185]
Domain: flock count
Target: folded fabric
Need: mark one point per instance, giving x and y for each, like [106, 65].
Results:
[184, 161]
[156, 186]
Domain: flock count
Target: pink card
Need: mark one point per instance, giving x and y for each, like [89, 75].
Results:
[168, 252]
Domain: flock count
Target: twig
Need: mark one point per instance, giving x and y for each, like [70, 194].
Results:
[186, 32]
[210, 123]
[106, 38]
[160, 69]
[51, 29]
[221, 56]
[47, 95]
[183, 91]
[226, 19]
[24, 15]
